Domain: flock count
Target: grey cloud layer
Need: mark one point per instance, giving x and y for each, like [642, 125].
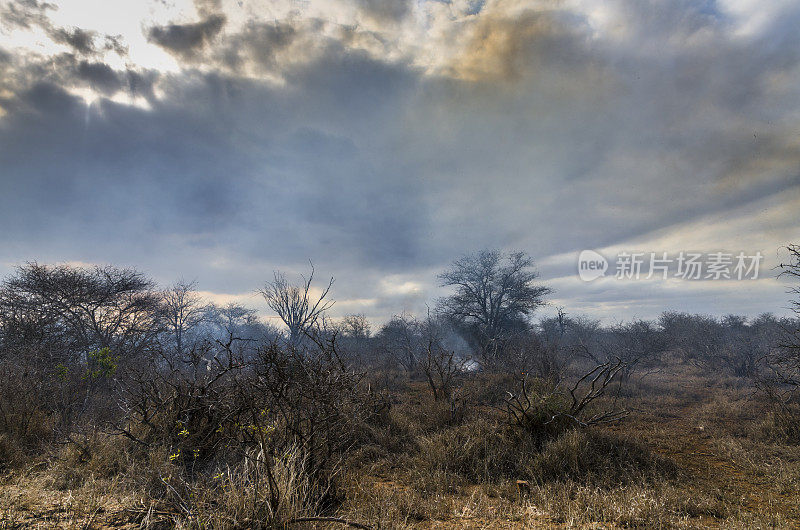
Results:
[538, 133]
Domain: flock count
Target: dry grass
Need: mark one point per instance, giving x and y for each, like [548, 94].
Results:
[694, 453]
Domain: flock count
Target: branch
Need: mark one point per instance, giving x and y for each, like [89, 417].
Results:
[329, 520]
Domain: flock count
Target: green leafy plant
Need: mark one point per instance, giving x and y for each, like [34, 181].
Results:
[102, 363]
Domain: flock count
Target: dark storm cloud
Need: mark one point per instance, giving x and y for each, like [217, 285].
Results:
[185, 40]
[218, 162]
[141, 83]
[100, 76]
[110, 165]
[67, 71]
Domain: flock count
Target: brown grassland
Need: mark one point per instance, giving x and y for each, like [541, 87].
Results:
[695, 451]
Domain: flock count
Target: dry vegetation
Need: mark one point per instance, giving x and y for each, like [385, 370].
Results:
[694, 453]
[122, 406]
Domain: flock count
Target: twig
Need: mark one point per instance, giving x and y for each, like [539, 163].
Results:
[88, 523]
[329, 520]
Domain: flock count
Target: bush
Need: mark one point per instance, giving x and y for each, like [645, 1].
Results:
[781, 426]
[482, 452]
[268, 418]
[479, 451]
[27, 413]
[593, 457]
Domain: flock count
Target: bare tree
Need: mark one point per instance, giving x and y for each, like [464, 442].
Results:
[183, 312]
[355, 326]
[295, 305]
[783, 362]
[234, 323]
[537, 355]
[636, 343]
[584, 339]
[696, 337]
[791, 269]
[732, 343]
[495, 295]
[401, 340]
[233, 317]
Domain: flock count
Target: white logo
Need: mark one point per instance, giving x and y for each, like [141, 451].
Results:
[591, 265]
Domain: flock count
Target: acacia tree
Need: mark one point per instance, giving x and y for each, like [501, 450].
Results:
[67, 334]
[295, 305]
[494, 296]
[94, 308]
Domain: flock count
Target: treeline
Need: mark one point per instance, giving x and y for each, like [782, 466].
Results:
[276, 413]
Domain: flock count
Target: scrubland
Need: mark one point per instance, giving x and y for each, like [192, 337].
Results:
[126, 406]
[695, 451]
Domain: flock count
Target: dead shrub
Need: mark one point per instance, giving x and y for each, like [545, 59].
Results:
[255, 415]
[543, 409]
[26, 416]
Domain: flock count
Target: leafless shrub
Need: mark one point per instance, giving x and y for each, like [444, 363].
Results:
[441, 367]
[281, 419]
[26, 413]
[543, 409]
[542, 357]
[184, 403]
[780, 380]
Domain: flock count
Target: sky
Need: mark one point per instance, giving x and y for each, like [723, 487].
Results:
[220, 140]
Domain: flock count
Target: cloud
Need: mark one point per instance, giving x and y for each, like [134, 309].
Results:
[80, 40]
[392, 11]
[25, 14]
[382, 150]
[257, 46]
[100, 76]
[207, 8]
[185, 40]
[503, 47]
